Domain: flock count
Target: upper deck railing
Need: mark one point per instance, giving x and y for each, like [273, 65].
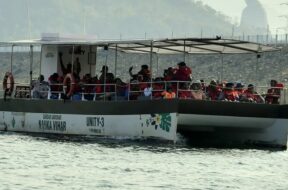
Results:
[128, 92]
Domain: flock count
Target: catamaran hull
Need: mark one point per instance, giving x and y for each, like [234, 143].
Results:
[114, 119]
[227, 130]
[233, 123]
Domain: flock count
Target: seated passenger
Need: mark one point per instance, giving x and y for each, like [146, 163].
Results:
[273, 94]
[228, 93]
[197, 92]
[40, 88]
[88, 88]
[239, 88]
[184, 91]
[158, 87]
[107, 79]
[168, 94]
[250, 95]
[203, 85]
[55, 86]
[121, 89]
[213, 91]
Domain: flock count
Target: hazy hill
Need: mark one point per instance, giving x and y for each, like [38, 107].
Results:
[109, 18]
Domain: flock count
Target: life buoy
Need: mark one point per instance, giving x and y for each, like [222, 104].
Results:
[69, 83]
[8, 84]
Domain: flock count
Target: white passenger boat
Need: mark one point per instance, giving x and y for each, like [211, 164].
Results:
[161, 118]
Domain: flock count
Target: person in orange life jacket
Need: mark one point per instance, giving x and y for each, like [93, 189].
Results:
[250, 95]
[145, 72]
[213, 90]
[168, 94]
[183, 73]
[197, 92]
[228, 93]
[273, 93]
[184, 91]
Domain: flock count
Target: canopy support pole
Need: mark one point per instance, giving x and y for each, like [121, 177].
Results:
[151, 70]
[72, 61]
[184, 53]
[222, 67]
[116, 60]
[40, 64]
[11, 59]
[31, 68]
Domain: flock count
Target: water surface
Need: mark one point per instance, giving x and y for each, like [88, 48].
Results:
[31, 162]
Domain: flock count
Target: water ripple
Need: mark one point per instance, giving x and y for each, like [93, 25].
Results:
[32, 162]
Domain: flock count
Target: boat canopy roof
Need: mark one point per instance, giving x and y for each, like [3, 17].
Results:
[159, 46]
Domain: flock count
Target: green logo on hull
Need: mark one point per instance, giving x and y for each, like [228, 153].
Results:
[163, 121]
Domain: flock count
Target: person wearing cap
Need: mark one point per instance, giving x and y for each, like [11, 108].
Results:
[197, 92]
[229, 93]
[250, 95]
[239, 88]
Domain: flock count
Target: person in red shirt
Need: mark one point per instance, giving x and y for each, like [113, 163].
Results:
[184, 91]
[250, 95]
[228, 93]
[183, 73]
[273, 94]
[213, 91]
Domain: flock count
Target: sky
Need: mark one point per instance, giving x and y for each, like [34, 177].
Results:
[274, 9]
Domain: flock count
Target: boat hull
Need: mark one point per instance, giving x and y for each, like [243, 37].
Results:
[233, 123]
[76, 118]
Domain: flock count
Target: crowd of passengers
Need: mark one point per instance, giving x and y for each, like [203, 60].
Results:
[142, 86]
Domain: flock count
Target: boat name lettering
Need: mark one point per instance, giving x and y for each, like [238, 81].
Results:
[49, 125]
[52, 117]
[95, 121]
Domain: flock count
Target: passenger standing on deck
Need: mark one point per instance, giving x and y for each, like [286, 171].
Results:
[68, 69]
[64, 70]
[183, 73]
[145, 72]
